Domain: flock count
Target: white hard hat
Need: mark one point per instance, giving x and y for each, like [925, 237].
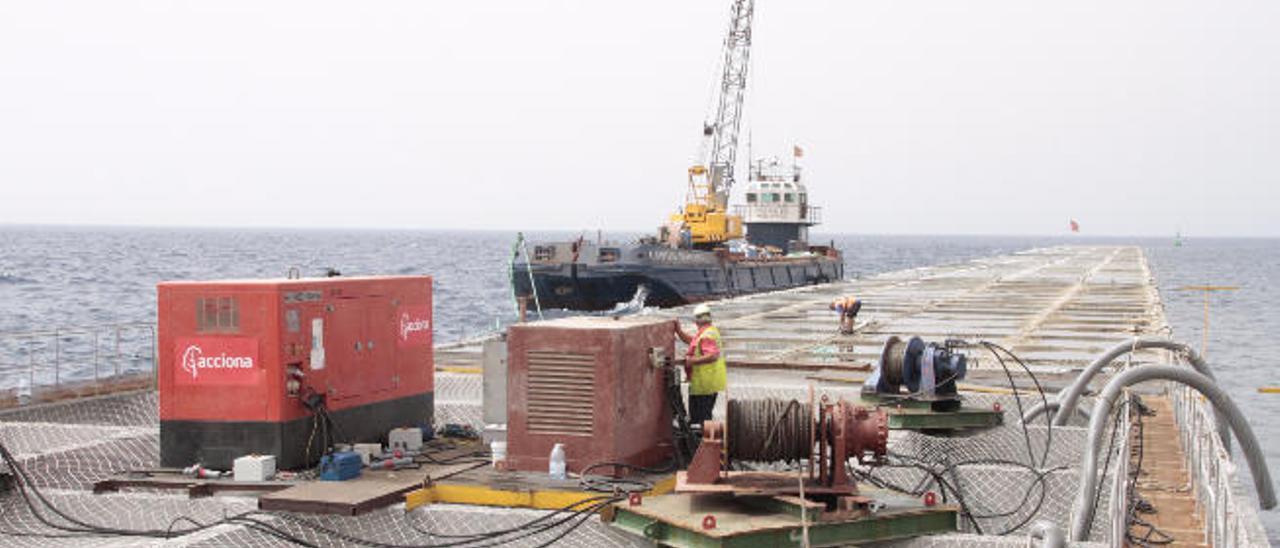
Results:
[701, 310]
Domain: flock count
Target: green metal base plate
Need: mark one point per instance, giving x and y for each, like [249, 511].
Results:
[678, 520]
[905, 414]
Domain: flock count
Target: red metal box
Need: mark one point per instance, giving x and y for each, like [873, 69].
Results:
[238, 357]
[591, 384]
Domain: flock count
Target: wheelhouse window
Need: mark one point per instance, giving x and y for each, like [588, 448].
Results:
[751, 197]
[791, 198]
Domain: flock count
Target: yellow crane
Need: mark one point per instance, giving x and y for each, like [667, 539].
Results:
[705, 221]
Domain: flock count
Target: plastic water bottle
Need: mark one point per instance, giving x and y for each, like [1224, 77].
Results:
[24, 391]
[557, 467]
[499, 451]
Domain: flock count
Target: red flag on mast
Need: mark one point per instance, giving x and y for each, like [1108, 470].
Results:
[797, 151]
[1075, 227]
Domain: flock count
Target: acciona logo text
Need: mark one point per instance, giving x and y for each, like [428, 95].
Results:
[193, 360]
[409, 326]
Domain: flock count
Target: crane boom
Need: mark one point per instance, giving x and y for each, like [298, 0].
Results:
[704, 221]
[728, 116]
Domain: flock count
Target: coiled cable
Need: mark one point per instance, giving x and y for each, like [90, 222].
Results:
[769, 430]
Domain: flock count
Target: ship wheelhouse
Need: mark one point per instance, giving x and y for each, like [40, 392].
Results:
[777, 211]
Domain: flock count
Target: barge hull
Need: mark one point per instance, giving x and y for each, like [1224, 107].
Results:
[594, 288]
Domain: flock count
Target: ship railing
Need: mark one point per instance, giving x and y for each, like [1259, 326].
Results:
[778, 212]
[1230, 515]
[76, 361]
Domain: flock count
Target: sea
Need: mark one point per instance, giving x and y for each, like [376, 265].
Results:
[84, 297]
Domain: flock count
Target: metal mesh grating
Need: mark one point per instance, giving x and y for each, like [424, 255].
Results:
[561, 387]
[457, 387]
[128, 409]
[975, 541]
[424, 526]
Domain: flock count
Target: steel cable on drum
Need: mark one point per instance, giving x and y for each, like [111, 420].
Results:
[769, 430]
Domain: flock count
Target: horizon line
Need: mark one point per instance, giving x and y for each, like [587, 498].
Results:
[7, 224]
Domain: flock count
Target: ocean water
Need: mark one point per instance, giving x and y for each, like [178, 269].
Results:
[61, 277]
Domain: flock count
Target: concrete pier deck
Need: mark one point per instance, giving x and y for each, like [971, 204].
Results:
[1057, 308]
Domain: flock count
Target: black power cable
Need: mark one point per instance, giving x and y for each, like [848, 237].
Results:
[490, 539]
[615, 484]
[499, 532]
[1137, 504]
[938, 476]
[995, 350]
[682, 435]
[76, 528]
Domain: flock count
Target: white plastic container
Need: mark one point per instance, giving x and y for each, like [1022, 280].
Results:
[405, 439]
[254, 468]
[499, 451]
[557, 463]
[367, 451]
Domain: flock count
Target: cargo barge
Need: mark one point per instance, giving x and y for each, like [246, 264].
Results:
[701, 252]
[604, 275]
[668, 270]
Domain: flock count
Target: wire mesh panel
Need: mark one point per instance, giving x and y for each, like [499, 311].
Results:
[150, 516]
[71, 445]
[65, 448]
[458, 387]
[28, 440]
[975, 541]
[1122, 484]
[1060, 446]
[469, 414]
[82, 467]
[436, 524]
[1006, 475]
[139, 408]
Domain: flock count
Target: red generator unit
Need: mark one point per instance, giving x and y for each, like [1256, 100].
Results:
[239, 358]
[591, 384]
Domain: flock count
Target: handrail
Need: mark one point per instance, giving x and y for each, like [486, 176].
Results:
[71, 329]
[51, 352]
[1083, 510]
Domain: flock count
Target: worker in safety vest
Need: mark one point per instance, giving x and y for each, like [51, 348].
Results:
[848, 308]
[705, 365]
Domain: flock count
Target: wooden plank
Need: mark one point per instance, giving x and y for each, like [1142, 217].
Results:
[194, 487]
[373, 489]
[799, 365]
[1164, 479]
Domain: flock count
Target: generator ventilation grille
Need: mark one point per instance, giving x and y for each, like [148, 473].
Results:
[561, 393]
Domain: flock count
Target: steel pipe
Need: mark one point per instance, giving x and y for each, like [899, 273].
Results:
[1082, 514]
[1069, 398]
[1040, 409]
[1049, 534]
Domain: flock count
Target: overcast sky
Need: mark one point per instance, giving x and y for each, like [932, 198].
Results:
[935, 116]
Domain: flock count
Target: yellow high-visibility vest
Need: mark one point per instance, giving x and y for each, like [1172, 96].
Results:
[708, 378]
